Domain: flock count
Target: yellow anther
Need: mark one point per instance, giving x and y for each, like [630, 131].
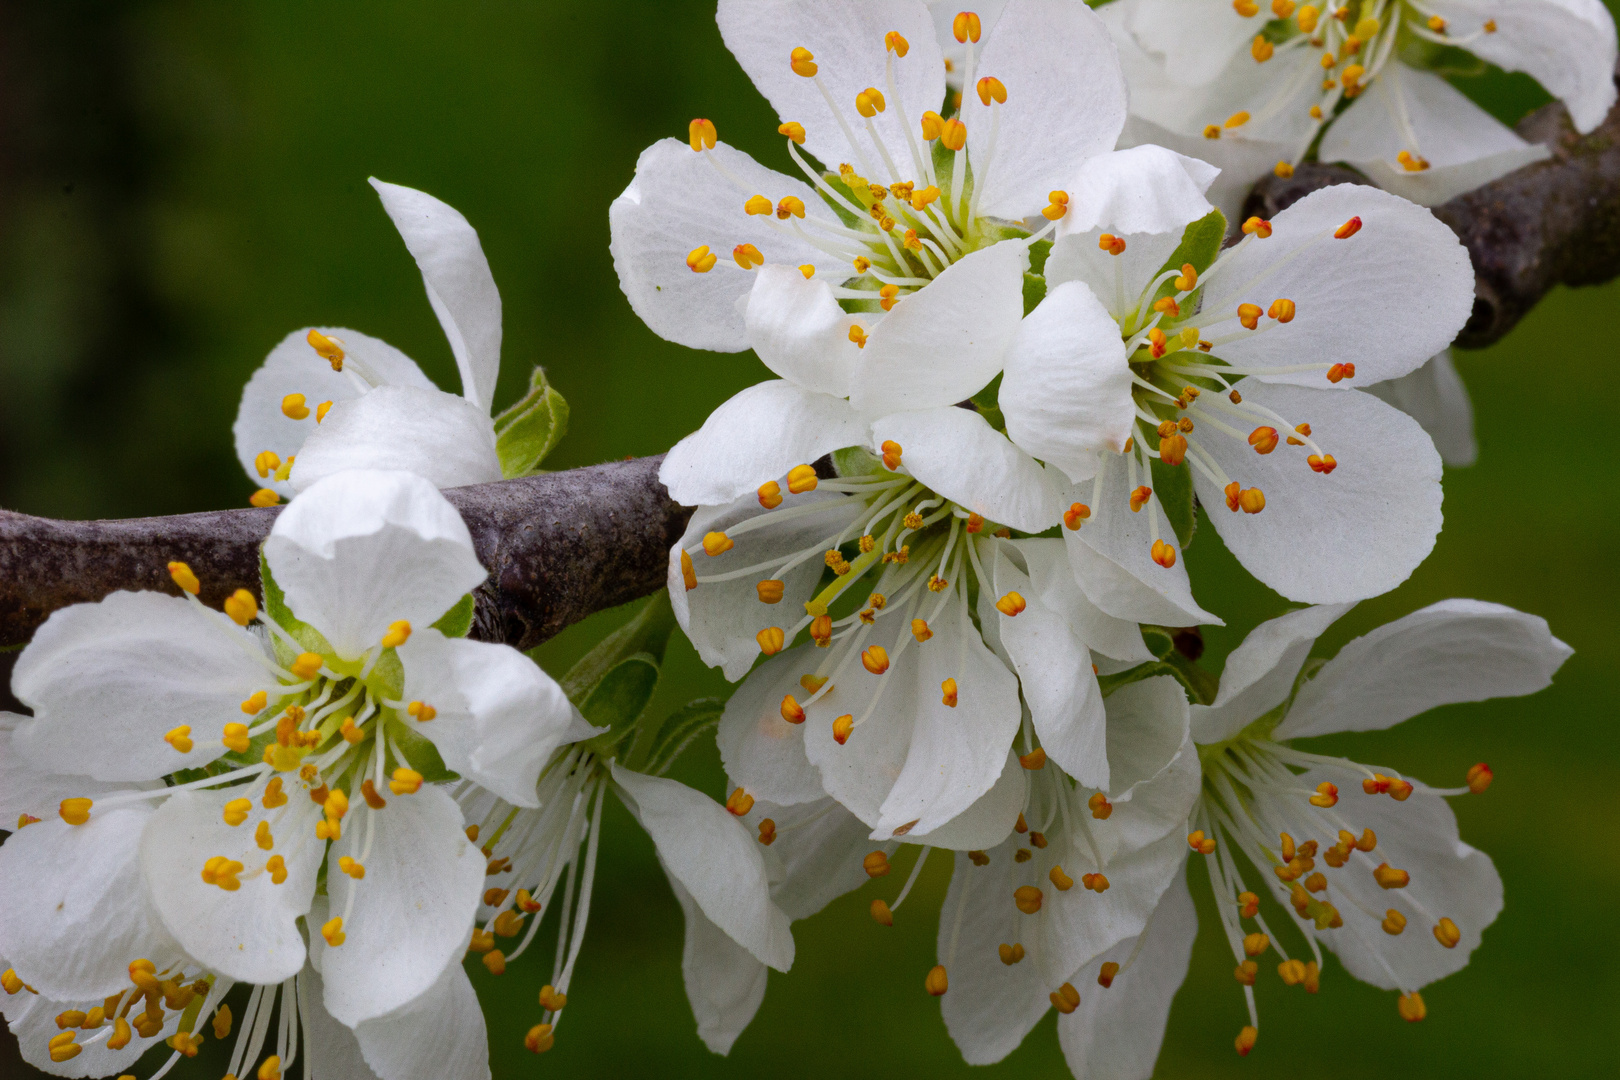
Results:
[966, 27]
[990, 89]
[747, 256]
[273, 795]
[875, 659]
[1283, 170]
[790, 206]
[399, 632]
[1065, 999]
[770, 497]
[869, 102]
[808, 270]
[1281, 310]
[1479, 777]
[1200, 843]
[332, 931]
[1139, 497]
[306, 666]
[700, 260]
[63, 1048]
[1212, 131]
[893, 42]
[875, 863]
[1351, 46]
[1437, 24]
[262, 836]
[1261, 49]
[70, 1018]
[180, 738]
[321, 410]
[739, 803]
[1097, 883]
[184, 578]
[842, 728]
[1391, 878]
[1252, 501]
[1292, 972]
[1010, 954]
[701, 135]
[1367, 28]
[1076, 515]
[947, 689]
[791, 710]
[802, 61]
[237, 810]
[75, 811]
[539, 1038]
[821, 630]
[933, 126]
[1033, 761]
[405, 782]
[717, 543]
[336, 804]
[1282, 8]
[1411, 1006]
[1063, 881]
[1246, 972]
[351, 867]
[327, 348]
[757, 206]
[1352, 76]
[1258, 227]
[770, 591]
[263, 497]
[266, 462]
[1308, 15]
[936, 982]
[1027, 898]
[802, 478]
[293, 407]
[1011, 604]
[222, 871]
[1255, 944]
[241, 607]
[1411, 162]
[771, 640]
[921, 199]
[1394, 922]
[1187, 281]
[1246, 8]
[953, 136]
[10, 981]
[1163, 554]
[1447, 934]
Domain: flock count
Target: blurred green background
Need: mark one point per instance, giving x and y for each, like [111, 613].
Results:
[183, 183]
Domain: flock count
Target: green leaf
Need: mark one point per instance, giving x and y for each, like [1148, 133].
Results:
[457, 622]
[1200, 244]
[1173, 485]
[527, 432]
[276, 609]
[648, 632]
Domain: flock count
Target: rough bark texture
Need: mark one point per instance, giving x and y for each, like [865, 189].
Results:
[1556, 222]
[558, 547]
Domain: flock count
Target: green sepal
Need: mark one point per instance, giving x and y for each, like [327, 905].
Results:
[1159, 640]
[678, 730]
[422, 754]
[1034, 290]
[457, 622]
[855, 461]
[276, 609]
[527, 432]
[1173, 484]
[1200, 685]
[836, 183]
[1200, 245]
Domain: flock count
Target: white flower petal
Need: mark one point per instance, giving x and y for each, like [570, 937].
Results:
[409, 917]
[499, 716]
[945, 342]
[988, 821]
[1259, 674]
[459, 284]
[108, 680]
[959, 455]
[1324, 539]
[724, 983]
[31, 1019]
[1464, 145]
[715, 859]
[1142, 189]
[1434, 396]
[723, 617]
[1116, 1032]
[294, 368]
[1449, 880]
[678, 202]
[361, 549]
[1112, 554]
[27, 789]
[1052, 577]
[758, 434]
[819, 848]
[847, 40]
[439, 1034]
[331, 1050]
[1456, 650]
[1066, 392]
[75, 912]
[799, 331]
[1241, 159]
[1568, 46]
[1192, 39]
[1054, 670]
[1386, 298]
[440, 436]
[763, 752]
[251, 933]
[913, 763]
[1065, 103]
[1116, 281]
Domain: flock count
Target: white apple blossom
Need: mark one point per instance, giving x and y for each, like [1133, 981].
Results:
[341, 689]
[1400, 898]
[335, 399]
[1241, 369]
[1251, 89]
[861, 87]
[870, 707]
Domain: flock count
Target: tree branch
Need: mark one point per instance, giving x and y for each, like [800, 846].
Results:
[558, 547]
[1556, 222]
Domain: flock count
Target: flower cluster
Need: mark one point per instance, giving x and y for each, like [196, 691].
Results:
[1021, 352]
